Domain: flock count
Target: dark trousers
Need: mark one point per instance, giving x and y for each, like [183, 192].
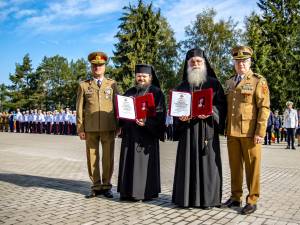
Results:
[25, 127]
[170, 132]
[291, 136]
[48, 128]
[268, 136]
[17, 126]
[67, 128]
[74, 129]
[22, 124]
[55, 128]
[34, 127]
[276, 130]
[283, 135]
[61, 128]
[11, 126]
[39, 127]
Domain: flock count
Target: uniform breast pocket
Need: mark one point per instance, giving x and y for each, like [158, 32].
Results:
[248, 98]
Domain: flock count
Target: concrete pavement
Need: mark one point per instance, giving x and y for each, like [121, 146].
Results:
[43, 179]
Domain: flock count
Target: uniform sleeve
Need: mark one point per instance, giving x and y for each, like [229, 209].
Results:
[116, 92]
[79, 109]
[263, 106]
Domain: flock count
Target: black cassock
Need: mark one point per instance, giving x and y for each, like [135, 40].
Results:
[139, 168]
[198, 170]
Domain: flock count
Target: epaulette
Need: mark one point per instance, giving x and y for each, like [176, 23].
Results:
[110, 79]
[259, 76]
[85, 81]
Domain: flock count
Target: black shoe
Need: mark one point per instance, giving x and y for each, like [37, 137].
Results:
[108, 194]
[248, 209]
[293, 147]
[93, 194]
[206, 207]
[231, 203]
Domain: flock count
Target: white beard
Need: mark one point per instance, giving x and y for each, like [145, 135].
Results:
[197, 75]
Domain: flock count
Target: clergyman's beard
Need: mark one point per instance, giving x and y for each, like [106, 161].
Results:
[197, 75]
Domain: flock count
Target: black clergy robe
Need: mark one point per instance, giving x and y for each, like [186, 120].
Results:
[198, 170]
[139, 167]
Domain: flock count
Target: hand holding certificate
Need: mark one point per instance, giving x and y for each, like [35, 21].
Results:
[195, 104]
[133, 108]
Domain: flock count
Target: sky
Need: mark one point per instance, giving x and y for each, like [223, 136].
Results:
[74, 28]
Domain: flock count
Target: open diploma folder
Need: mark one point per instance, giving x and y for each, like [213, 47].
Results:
[132, 108]
[191, 104]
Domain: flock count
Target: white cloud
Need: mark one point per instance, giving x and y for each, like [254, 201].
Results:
[24, 13]
[62, 15]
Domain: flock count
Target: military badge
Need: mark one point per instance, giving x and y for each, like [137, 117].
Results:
[229, 86]
[108, 93]
[247, 89]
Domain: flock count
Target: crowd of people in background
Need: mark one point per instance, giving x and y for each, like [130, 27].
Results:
[280, 128]
[36, 121]
[284, 127]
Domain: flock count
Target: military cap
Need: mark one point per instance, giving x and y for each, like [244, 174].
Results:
[97, 58]
[242, 52]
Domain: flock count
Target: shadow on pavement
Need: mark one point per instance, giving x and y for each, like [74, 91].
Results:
[75, 186]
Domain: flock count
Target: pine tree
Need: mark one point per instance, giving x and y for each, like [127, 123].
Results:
[274, 36]
[144, 37]
[20, 89]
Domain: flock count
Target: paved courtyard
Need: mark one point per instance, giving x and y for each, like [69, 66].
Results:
[43, 180]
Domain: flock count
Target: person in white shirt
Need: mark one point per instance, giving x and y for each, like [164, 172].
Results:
[34, 121]
[61, 121]
[40, 121]
[22, 121]
[290, 118]
[55, 122]
[26, 122]
[67, 124]
[18, 120]
[73, 123]
[49, 122]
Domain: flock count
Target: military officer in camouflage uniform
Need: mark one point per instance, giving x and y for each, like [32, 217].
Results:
[248, 110]
[96, 122]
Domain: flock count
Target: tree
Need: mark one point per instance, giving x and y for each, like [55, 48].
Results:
[3, 98]
[274, 36]
[144, 37]
[20, 88]
[79, 72]
[215, 38]
[53, 84]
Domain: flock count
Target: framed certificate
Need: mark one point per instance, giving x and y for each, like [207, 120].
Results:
[133, 108]
[180, 103]
[191, 104]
